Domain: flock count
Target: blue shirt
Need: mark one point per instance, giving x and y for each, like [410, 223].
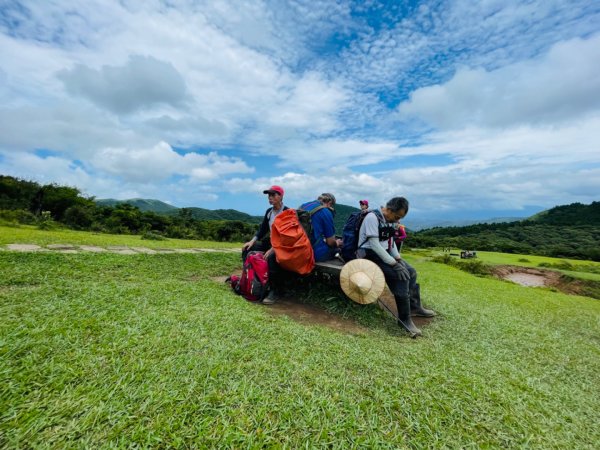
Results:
[323, 228]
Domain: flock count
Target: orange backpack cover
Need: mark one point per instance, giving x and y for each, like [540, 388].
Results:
[290, 243]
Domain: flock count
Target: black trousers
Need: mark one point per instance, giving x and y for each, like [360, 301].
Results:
[400, 288]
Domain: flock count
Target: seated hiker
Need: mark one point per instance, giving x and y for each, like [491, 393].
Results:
[376, 243]
[323, 239]
[261, 242]
[364, 204]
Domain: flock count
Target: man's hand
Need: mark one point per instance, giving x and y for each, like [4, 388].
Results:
[402, 271]
[248, 244]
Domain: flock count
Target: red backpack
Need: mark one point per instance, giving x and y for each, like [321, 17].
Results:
[252, 285]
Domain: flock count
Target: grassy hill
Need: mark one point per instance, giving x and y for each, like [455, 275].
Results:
[159, 207]
[105, 350]
[219, 214]
[143, 204]
[342, 211]
[573, 214]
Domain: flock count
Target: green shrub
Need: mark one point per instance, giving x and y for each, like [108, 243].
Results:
[45, 221]
[16, 216]
[153, 236]
[444, 259]
[562, 265]
[476, 267]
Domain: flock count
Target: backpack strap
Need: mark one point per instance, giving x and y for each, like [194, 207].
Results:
[312, 206]
[382, 224]
[380, 219]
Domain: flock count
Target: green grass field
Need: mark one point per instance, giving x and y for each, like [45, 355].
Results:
[26, 234]
[104, 350]
[589, 270]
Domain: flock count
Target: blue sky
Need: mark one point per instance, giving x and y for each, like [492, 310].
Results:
[470, 109]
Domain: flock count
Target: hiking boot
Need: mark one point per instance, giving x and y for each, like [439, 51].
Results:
[415, 304]
[410, 327]
[419, 311]
[270, 298]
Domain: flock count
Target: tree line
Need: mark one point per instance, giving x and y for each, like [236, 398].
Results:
[28, 202]
[568, 231]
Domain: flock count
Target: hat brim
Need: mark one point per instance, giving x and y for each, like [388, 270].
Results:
[271, 192]
[364, 295]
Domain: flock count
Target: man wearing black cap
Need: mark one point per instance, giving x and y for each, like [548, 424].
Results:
[261, 241]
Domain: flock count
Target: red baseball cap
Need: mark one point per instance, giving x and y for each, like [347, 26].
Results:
[364, 202]
[274, 190]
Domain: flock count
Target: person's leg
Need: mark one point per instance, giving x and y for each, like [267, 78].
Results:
[416, 308]
[400, 289]
[275, 280]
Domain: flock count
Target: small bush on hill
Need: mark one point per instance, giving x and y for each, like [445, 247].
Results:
[45, 222]
[475, 267]
[149, 235]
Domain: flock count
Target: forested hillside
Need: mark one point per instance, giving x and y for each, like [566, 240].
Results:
[51, 205]
[342, 211]
[569, 231]
[197, 213]
[143, 204]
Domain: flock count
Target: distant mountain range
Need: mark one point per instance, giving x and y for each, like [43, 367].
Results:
[159, 207]
[417, 224]
[143, 204]
[342, 213]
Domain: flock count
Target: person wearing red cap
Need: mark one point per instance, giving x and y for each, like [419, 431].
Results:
[261, 241]
[364, 204]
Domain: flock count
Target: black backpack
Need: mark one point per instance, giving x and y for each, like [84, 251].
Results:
[352, 230]
[350, 234]
[305, 213]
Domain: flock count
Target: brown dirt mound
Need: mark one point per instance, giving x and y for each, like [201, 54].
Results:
[527, 276]
[532, 277]
[313, 314]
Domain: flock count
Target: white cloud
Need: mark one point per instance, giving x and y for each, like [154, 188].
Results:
[334, 153]
[563, 85]
[312, 104]
[141, 83]
[161, 162]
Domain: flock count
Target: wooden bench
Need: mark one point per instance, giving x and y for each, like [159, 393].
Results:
[329, 270]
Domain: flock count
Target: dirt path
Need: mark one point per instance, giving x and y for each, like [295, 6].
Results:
[118, 249]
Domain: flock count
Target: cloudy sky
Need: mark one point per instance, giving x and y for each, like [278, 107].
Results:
[475, 109]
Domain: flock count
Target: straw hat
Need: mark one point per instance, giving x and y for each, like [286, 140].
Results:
[362, 280]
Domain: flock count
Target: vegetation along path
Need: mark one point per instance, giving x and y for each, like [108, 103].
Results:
[119, 249]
